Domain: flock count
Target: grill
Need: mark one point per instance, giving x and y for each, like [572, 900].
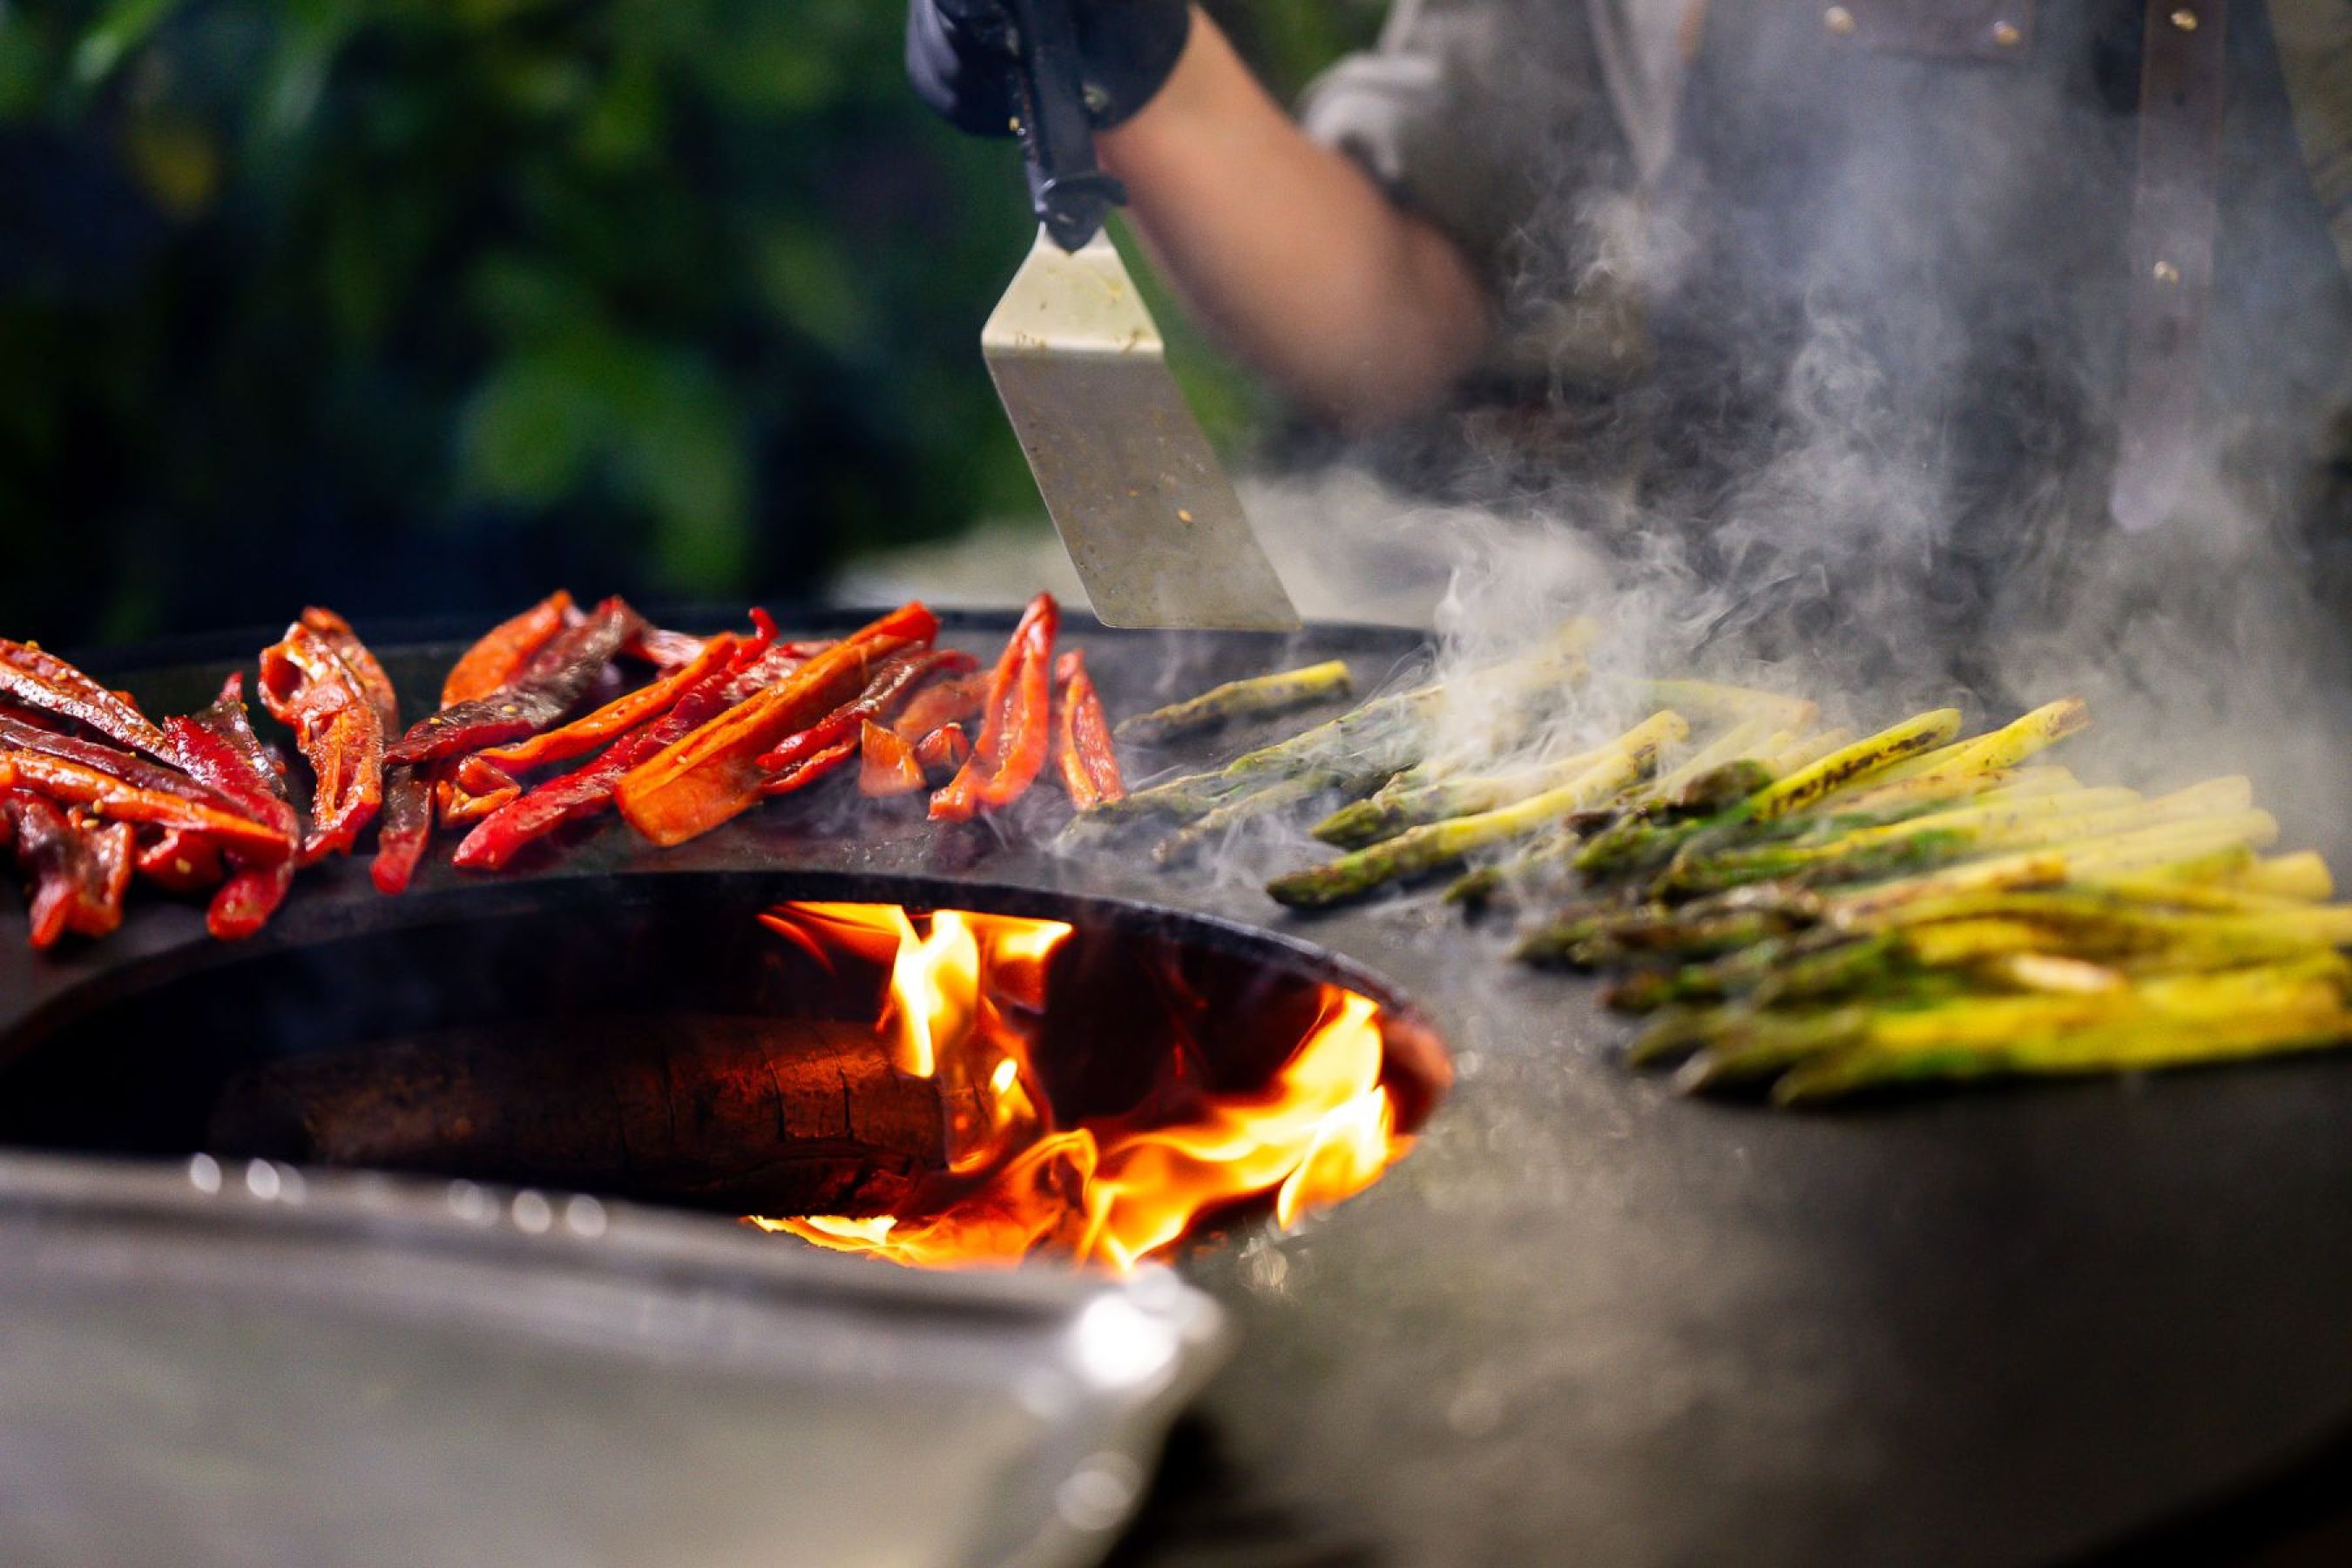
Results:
[2013, 1325]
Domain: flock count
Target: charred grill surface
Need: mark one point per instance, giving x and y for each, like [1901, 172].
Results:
[1585, 1319]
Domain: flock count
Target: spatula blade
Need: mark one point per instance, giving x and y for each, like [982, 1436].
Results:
[1142, 505]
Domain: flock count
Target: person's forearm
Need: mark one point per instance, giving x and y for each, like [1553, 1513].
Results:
[1289, 251]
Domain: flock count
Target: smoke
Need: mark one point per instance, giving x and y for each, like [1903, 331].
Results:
[1831, 404]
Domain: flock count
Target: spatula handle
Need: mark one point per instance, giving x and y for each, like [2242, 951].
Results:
[1067, 189]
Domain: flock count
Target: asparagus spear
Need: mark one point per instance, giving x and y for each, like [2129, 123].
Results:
[1392, 809]
[2003, 749]
[1437, 844]
[2163, 1023]
[1361, 748]
[1184, 846]
[1259, 697]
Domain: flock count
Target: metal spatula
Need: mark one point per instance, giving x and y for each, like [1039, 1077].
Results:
[1142, 505]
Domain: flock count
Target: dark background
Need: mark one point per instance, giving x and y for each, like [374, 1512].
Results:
[417, 306]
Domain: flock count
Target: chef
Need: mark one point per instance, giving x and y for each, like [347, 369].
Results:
[1945, 300]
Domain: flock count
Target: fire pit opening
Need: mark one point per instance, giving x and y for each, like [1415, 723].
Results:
[935, 1085]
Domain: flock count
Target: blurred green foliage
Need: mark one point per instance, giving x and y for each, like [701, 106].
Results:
[426, 305]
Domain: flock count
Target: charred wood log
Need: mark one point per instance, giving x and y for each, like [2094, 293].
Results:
[779, 1116]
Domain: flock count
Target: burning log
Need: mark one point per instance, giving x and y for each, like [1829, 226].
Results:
[776, 1115]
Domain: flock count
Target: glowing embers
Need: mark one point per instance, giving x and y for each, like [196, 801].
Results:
[967, 999]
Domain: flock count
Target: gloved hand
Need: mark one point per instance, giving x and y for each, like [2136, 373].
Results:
[960, 58]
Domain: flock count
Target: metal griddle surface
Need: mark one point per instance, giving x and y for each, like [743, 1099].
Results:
[1586, 1322]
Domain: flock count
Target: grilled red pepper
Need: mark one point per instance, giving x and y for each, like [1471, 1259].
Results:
[886, 765]
[80, 869]
[1016, 730]
[70, 783]
[892, 681]
[557, 677]
[503, 652]
[39, 680]
[179, 861]
[403, 831]
[219, 746]
[456, 803]
[714, 775]
[130, 768]
[945, 703]
[586, 734]
[404, 825]
[801, 774]
[586, 792]
[307, 686]
[664, 649]
[1082, 747]
[943, 752]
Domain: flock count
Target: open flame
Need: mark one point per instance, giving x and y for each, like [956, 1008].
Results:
[965, 992]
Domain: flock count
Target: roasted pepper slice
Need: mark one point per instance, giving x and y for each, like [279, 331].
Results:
[585, 734]
[948, 701]
[943, 752]
[714, 775]
[886, 765]
[179, 861]
[892, 681]
[1082, 747]
[588, 791]
[128, 766]
[219, 746]
[405, 830]
[80, 869]
[39, 680]
[557, 677]
[306, 685]
[1015, 731]
[503, 652]
[832, 759]
[70, 783]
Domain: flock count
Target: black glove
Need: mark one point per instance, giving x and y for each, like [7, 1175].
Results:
[959, 57]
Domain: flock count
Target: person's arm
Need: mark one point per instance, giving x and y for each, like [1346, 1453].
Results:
[1287, 248]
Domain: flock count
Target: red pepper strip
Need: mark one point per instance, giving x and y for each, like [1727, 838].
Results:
[40, 679]
[892, 681]
[403, 831]
[306, 685]
[70, 783]
[373, 683]
[247, 899]
[132, 769]
[79, 873]
[456, 804]
[218, 748]
[476, 776]
[1082, 747]
[587, 790]
[802, 774]
[586, 734]
[181, 862]
[406, 826]
[557, 677]
[943, 752]
[663, 648]
[501, 653]
[98, 912]
[1016, 730]
[714, 775]
[886, 765]
[947, 702]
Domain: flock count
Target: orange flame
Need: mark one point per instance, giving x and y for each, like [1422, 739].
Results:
[1114, 1191]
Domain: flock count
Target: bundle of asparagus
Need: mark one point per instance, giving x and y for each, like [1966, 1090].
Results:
[1910, 907]
[1801, 908]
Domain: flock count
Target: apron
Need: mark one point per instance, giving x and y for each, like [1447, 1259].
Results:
[1890, 365]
